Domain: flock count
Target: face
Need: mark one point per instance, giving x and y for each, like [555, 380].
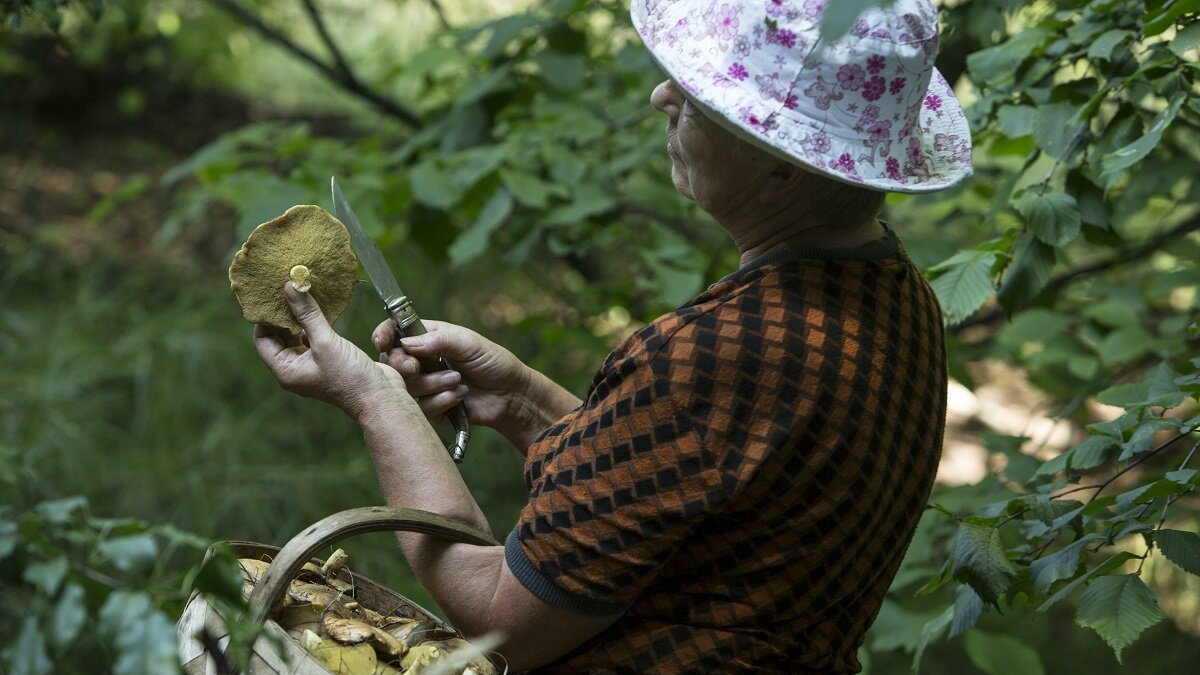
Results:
[709, 165]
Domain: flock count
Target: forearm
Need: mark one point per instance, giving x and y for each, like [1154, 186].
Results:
[540, 404]
[413, 467]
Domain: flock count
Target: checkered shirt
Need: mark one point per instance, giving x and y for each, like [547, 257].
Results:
[745, 473]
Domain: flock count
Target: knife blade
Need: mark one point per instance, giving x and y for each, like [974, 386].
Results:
[398, 306]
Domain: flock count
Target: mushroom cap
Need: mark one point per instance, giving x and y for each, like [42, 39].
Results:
[303, 235]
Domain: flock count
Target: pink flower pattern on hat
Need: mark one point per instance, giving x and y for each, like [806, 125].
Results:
[868, 108]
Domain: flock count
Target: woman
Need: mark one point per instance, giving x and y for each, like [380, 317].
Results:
[739, 485]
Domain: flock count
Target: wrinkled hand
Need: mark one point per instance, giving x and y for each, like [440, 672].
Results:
[323, 365]
[489, 378]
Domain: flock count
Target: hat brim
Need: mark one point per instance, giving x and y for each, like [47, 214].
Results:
[942, 151]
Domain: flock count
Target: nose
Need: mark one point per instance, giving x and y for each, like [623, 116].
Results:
[666, 99]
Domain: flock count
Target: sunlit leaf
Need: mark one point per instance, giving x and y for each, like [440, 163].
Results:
[1119, 608]
[28, 655]
[70, 613]
[47, 575]
[143, 636]
[130, 554]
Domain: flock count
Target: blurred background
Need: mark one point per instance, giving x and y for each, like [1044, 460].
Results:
[505, 156]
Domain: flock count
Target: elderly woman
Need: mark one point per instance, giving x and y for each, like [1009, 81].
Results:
[739, 484]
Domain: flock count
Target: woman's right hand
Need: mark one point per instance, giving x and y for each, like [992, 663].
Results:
[499, 390]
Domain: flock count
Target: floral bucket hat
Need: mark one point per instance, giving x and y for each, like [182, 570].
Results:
[868, 108]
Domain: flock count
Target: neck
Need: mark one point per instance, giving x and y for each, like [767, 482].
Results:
[762, 231]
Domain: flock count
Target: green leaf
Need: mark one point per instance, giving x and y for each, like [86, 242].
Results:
[1016, 121]
[1091, 453]
[529, 189]
[137, 553]
[979, 560]
[220, 576]
[60, 511]
[70, 613]
[1113, 312]
[432, 187]
[1186, 39]
[1034, 325]
[1143, 436]
[1125, 344]
[1061, 564]
[47, 575]
[8, 538]
[27, 656]
[1181, 548]
[1002, 655]
[967, 608]
[472, 243]
[998, 64]
[143, 636]
[1145, 493]
[1053, 126]
[1119, 608]
[963, 283]
[1103, 568]
[1054, 218]
[931, 631]
[1031, 268]
[1117, 162]
[1103, 46]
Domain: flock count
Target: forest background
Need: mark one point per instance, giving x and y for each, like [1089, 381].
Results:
[505, 156]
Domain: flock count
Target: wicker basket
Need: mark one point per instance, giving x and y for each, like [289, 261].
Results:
[266, 659]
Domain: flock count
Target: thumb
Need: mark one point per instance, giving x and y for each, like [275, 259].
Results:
[307, 312]
[448, 341]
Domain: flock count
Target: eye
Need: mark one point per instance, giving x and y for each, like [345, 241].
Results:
[690, 108]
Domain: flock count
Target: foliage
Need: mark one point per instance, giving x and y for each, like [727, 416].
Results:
[518, 152]
[89, 594]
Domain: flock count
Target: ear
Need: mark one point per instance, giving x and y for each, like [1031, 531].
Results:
[784, 178]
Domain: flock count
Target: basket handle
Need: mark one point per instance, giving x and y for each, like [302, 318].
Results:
[302, 547]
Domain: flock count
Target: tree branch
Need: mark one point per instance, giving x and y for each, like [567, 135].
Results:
[318, 22]
[1145, 249]
[346, 80]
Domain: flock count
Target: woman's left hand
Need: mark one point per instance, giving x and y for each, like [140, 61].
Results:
[323, 365]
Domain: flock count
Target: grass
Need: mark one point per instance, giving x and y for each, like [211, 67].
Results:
[138, 387]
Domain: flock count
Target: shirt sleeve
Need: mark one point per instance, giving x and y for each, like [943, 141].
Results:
[620, 484]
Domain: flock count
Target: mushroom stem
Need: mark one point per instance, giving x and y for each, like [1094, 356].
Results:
[299, 275]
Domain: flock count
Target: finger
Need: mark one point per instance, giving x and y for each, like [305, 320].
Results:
[433, 383]
[402, 362]
[308, 313]
[448, 341]
[439, 404]
[384, 335]
[271, 348]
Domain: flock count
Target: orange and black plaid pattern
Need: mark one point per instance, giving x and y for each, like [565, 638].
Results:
[745, 474]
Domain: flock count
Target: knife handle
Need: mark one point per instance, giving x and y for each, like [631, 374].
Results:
[408, 324]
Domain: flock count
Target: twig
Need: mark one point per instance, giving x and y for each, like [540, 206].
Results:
[318, 22]
[1099, 487]
[1147, 248]
[345, 80]
[1171, 500]
[441, 14]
